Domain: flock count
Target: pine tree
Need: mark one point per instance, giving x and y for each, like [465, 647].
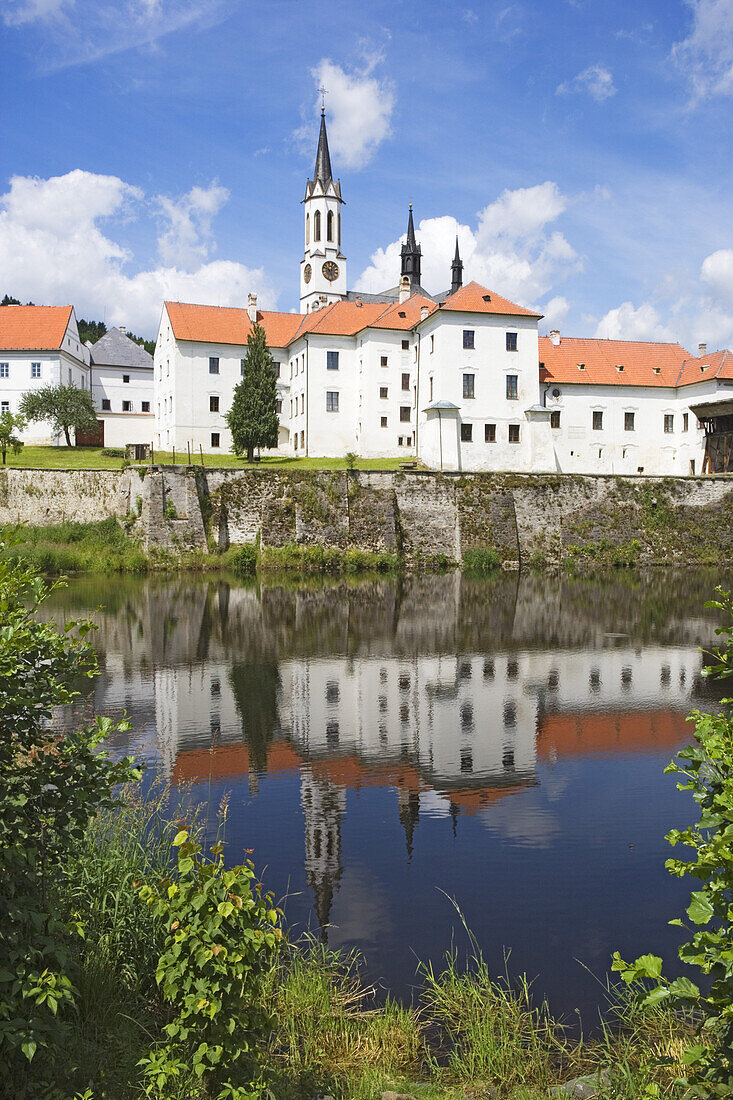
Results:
[252, 419]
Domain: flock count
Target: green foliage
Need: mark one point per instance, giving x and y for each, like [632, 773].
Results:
[243, 560]
[9, 425]
[91, 330]
[481, 559]
[706, 771]
[113, 452]
[321, 559]
[65, 407]
[8, 301]
[70, 547]
[252, 418]
[351, 459]
[605, 553]
[170, 510]
[221, 938]
[53, 783]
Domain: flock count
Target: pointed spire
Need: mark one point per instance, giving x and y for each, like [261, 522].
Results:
[411, 254]
[456, 271]
[322, 170]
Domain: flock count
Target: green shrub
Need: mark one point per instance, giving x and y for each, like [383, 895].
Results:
[243, 560]
[481, 559]
[113, 452]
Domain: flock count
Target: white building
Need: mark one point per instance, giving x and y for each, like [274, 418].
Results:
[122, 388]
[460, 380]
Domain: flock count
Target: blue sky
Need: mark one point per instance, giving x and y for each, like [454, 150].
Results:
[580, 148]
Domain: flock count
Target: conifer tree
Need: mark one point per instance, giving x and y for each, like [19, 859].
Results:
[252, 419]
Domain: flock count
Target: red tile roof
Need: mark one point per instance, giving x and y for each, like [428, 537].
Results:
[229, 325]
[717, 365]
[474, 298]
[405, 315]
[33, 328]
[644, 364]
[341, 318]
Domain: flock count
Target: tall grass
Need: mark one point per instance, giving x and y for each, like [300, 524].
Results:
[70, 547]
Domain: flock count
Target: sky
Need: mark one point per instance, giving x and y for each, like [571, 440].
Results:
[580, 150]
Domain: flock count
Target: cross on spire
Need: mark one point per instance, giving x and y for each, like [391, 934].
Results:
[323, 92]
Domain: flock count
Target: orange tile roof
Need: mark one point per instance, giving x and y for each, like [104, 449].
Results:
[717, 365]
[229, 324]
[474, 298]
[633, 731]
[645, 364]
[33, 328]
[341, 318]
[404, 315]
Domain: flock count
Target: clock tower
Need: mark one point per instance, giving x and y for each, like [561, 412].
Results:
[323, 267]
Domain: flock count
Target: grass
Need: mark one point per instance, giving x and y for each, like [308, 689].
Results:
[91, 458]
[469, 1033]
[319, 559]
[103, 547]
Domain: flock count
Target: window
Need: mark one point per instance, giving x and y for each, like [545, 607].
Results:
[555, 418]
[241, 369]
[276, 369]
[317, 226]
[302, 439]
[35, 370]
[432, 344]
[332, 401]
[302, 404]
[295, 441]
[329, 225]
[512, 387]
[468, 335]
[514, 433]
[405, 414]
[489, 433]
[383, 392]
[597, 420]
[511, 341]
[214, 364]
[125, 377]
[405, 381]
[668, 423]
[383, 360]
[307, 229]
[685, 421]
[127, 406]
[468, 385]
[383, 421]
[431, 387]
[466, 433]
[405, 345]
[279, 406]
[332, 360]
[629, 422]
[408, 440]
[70, 379]
[146, 406]
[106, 405]
[401, 441]
[4, 370]
[214, 439]
[213, 404]
[5, 406]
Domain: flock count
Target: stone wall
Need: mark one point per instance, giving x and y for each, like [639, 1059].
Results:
[427, 518]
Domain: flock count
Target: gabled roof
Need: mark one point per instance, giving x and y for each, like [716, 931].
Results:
[229, 324]
[404, 315]
[644, 363]
[116, 349]
[718, 365]
[341, 318]
[474, 298]
[33, 328]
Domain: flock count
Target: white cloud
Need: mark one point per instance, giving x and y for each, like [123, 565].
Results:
[187, 240]
[79, 32]
[359, 107]
[628, 323]
[555, 311]
[469, 16]
[53, 251]
[596, 80]
[706, 55]
[512, 249]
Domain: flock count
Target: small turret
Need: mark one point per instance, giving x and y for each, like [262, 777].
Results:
[411, 254]
[456, 271]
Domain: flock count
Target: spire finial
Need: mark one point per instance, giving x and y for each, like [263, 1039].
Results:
[323, 92]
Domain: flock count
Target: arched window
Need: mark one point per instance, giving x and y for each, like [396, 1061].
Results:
[329, 225]
[317, 226]
[307, 229]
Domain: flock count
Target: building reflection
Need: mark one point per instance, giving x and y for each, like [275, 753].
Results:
[451, 696]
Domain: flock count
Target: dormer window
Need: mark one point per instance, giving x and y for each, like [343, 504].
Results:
[704, 368]
[620, 368]
[486, 297]
[657, 370]
[581, 366]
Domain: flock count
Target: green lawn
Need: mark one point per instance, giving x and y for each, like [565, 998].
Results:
[91, 458]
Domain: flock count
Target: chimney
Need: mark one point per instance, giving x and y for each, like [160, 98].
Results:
[123, 330]
[404, 288]
[423, 312]
[358, 303]
[252, 308]
[555, 337]
[702, 349]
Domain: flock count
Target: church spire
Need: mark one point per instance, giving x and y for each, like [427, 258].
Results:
[322, 170]
[456, 271]
[411, 254]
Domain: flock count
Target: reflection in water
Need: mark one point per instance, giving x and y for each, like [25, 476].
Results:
[511, 733]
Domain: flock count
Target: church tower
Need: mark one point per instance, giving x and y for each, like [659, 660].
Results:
[456, 271]
[323, 267]
[411, 255]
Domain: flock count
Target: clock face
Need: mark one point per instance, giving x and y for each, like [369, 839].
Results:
[330, 270]
[307, 272]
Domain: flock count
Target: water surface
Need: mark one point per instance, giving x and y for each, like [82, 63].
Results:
[387, 744]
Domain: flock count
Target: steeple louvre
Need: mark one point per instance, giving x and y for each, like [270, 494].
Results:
[411, 254]
[456, 271]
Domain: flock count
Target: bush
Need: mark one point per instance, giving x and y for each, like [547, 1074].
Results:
[113, 452]
[243, 560]
[481, 559]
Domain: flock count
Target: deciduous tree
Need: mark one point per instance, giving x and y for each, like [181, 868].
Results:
[66, 407]
[9, 425]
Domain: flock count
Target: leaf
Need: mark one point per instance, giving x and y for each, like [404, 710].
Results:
[29, 1049]
[180, 838]
[699, 910]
